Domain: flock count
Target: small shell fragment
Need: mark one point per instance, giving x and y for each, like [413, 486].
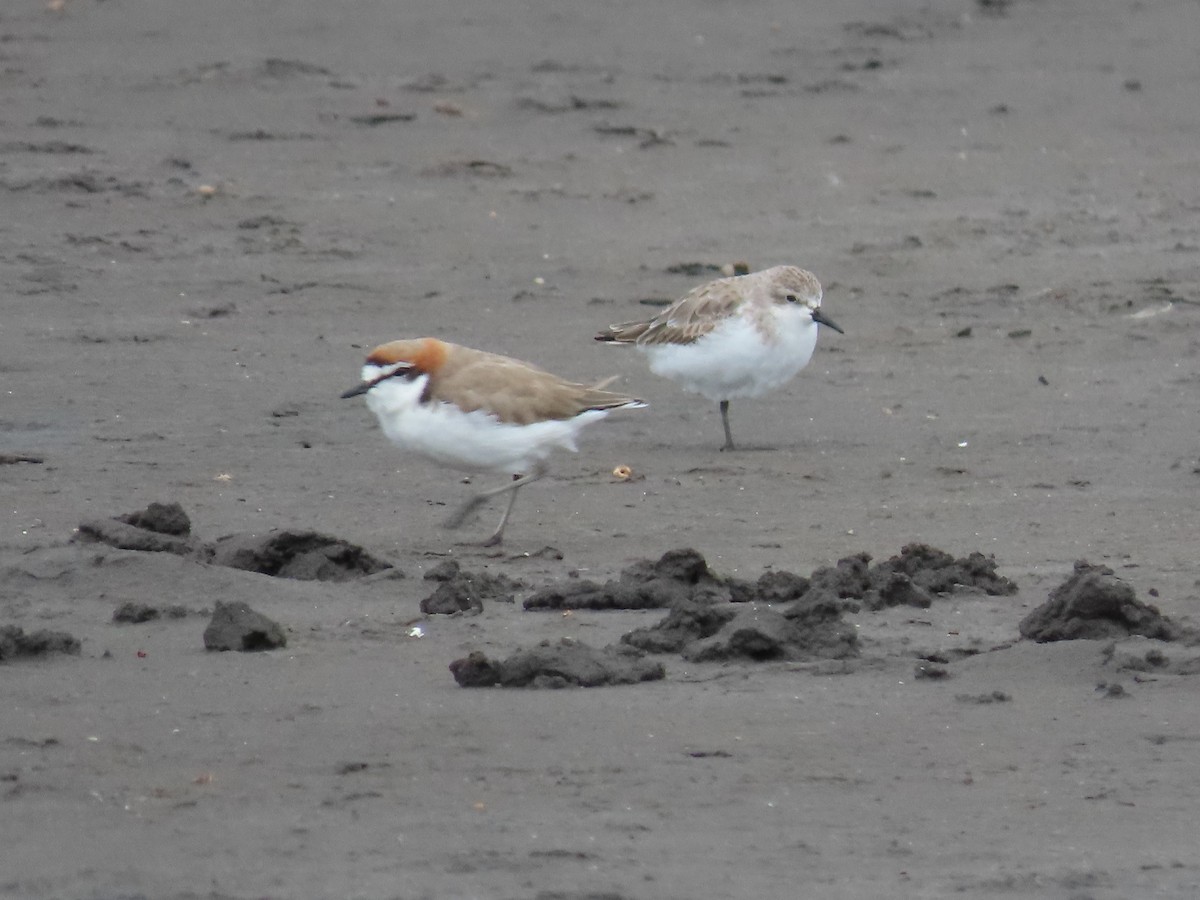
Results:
[622, 473]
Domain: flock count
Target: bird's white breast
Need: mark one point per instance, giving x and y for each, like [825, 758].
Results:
[473, 441]
[737, 359]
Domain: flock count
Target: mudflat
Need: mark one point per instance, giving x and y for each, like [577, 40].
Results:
[931, 633]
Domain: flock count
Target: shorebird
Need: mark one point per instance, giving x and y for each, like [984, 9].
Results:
[479, 412]
[733, 337]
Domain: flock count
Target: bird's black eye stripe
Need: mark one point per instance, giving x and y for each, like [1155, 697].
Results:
[790, 298]
[402, 372]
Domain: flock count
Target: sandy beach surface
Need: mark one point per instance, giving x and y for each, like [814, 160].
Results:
[212, 211]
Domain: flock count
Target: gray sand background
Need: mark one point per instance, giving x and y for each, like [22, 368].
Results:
[210, 211]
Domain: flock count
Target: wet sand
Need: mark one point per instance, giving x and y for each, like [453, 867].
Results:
[212, 211]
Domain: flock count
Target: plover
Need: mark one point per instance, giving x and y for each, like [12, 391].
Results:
[478, 411]
[733, 337]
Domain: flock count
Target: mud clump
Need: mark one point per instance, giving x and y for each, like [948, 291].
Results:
[161, 518]
[1094, 604]
[740, 620]
[684, 624]
[16, 644]
[585, 594]
[159, 528]
[937, 572]
[751, 631]
[678, 576]
[761, 634]
[475, 670]
[900, 590]
[910, 579]
[302, 555]
[125, 536]
[566, 663]
[460, 591]
[771, 587]
[235, 626]
[135, 613]
[849, 579]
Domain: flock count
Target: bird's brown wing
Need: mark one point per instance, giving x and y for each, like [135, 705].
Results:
[683, 322]
[515, 392]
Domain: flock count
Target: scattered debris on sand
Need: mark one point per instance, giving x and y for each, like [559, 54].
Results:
[566, 663]
[235, 626]
[1094, 604]
[16, 644]
[782, 615]
[911, 578]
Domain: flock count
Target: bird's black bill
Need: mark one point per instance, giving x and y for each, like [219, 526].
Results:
[821, 319]
[359, 389]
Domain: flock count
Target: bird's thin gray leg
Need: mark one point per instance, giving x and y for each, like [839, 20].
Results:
[479, 499]
[498, 534]
[725, 422]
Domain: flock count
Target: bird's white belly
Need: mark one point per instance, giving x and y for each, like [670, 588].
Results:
[735, 361]
[474, 441]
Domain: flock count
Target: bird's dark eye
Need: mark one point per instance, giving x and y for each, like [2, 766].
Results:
[790, 298]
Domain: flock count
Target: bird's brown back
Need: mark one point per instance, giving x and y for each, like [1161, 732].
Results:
[513, 391]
